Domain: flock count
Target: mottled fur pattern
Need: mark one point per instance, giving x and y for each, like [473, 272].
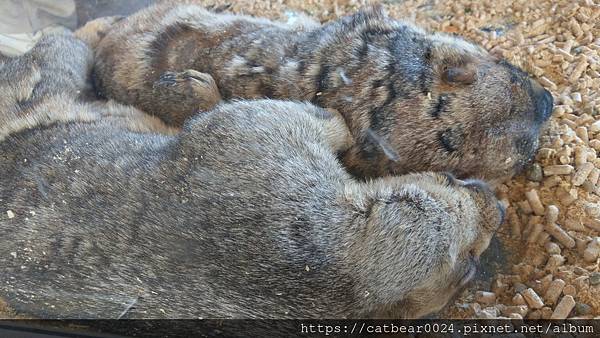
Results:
[414, 101]
[245, 213]
[62, 90]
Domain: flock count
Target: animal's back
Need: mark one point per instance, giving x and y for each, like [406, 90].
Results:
[413, 100]
[166, 37]
[98, 205]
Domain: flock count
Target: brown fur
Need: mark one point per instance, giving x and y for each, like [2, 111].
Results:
[413, 100]
[30, 87]
[246, 213]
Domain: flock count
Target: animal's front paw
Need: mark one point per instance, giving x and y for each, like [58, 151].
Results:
[189, 80]
[191, 84]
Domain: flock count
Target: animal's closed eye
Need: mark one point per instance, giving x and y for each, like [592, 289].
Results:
[451, 138]
[440, 105]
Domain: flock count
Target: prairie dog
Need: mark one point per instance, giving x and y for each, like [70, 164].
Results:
[413, 100]
[246, 213]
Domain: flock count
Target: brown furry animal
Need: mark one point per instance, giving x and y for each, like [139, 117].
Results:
[246, 213]
[414, 101]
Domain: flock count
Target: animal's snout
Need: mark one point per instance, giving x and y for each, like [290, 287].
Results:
[481, 187]
[544, 105]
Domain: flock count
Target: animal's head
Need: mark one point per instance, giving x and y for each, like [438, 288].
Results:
[421, 101]
[422, 241]
[482, 116]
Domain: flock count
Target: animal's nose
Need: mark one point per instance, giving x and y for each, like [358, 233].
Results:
[543, 105]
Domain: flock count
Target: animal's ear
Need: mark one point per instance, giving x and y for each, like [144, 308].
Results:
[463, 74]
[366, 14]
[454, 60]
[219, 8]
[384, 145]
[374, 11]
